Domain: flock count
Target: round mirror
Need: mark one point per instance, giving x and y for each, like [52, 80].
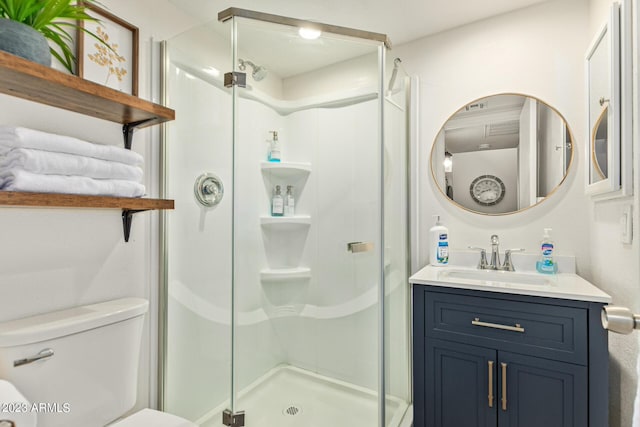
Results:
[501, 154]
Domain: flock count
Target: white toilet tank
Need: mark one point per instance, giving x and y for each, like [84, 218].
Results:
[91, 378]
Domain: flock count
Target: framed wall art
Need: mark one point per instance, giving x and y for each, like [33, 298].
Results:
[113, 63]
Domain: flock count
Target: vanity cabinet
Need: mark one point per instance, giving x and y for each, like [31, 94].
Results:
[489, 359]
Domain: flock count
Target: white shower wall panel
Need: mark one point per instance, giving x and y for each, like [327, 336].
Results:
[335, 334]
[257, 348]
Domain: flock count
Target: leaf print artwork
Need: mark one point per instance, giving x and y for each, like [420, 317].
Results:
[108, 57]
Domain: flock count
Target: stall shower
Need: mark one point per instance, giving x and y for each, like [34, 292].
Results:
[300, 319]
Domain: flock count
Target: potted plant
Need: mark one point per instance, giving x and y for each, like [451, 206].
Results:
[26, 26]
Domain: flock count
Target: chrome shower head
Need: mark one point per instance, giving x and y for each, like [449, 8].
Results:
[259, 72]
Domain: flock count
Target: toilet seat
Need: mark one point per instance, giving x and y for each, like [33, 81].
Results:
[150, 417]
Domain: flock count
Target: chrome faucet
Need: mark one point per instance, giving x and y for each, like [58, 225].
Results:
[494, 264]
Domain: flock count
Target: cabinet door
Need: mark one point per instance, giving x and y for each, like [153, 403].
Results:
[458, 382]
[541, 392]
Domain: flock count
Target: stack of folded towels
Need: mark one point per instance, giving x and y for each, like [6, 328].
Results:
[35, 161]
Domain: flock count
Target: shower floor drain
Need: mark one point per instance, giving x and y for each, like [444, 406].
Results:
[292, 410]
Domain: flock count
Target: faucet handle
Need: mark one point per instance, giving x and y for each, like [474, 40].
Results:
[482, 265]
[508, 264]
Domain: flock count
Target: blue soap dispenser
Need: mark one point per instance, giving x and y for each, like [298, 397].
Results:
[546, 263]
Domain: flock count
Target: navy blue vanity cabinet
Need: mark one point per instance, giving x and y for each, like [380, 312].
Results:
[488, 359]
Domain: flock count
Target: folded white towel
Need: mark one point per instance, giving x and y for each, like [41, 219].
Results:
[18, 137]
[20, 180]
[50, 163]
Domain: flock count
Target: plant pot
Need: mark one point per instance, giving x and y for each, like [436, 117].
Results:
[23, 41]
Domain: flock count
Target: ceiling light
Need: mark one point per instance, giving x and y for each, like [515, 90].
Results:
[309, 33]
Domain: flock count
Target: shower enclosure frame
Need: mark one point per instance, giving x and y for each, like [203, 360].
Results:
[230, 14]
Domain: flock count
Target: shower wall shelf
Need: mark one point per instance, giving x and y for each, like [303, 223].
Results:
[285, 169]
[284, 274]
[285, 221]
[38, 83]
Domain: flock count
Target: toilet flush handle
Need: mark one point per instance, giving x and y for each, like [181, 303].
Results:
[44, 354]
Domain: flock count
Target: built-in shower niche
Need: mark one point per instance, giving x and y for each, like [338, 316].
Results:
[284, 237]
[284, 174]
[285, 297]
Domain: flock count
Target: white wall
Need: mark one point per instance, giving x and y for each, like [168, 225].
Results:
[615, 266]
[508, 53]
[57, 258]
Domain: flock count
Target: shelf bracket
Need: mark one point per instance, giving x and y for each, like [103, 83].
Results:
[127, 219]
[127, 131]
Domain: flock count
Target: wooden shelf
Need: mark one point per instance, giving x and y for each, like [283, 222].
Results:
[38, 83]
[35, 82]
[12, 198]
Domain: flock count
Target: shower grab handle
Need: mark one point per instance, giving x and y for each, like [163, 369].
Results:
[44, 354]
[355, 247]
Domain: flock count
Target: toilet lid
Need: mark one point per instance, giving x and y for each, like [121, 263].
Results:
[149, 417]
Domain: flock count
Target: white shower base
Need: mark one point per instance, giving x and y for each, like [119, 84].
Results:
[292, 397]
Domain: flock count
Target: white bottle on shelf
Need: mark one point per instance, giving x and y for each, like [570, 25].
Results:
[438, 244]
[274, 148]
[289, 202]
[277, 203]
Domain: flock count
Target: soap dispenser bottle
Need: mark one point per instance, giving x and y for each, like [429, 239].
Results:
[438, 244]
[277, 203]
[274, 148]
[546, 263]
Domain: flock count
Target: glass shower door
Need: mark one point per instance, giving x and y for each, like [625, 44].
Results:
[307, 286]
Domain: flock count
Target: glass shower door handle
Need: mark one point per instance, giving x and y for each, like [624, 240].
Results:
[355, 247]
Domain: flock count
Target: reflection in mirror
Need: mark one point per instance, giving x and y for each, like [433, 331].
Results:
[501, 154]
[599, 146]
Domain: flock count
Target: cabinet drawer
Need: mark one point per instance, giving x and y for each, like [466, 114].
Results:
[542, 330]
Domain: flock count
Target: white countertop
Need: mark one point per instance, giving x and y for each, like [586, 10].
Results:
[561, 285]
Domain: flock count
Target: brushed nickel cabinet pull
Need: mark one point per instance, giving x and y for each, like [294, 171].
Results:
[516, 328]
[504, 386]
[490, 367]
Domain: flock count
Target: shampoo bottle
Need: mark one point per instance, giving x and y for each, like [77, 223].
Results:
[546, 264]
[289, 202]
[274, 148]
[277, 203]
[438, 244]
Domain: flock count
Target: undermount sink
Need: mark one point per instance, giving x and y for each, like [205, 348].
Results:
[503, 277]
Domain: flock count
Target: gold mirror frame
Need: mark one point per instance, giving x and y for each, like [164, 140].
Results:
[594, 156]
[553, 191]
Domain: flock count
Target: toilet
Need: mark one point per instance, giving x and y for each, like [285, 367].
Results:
[77, 368]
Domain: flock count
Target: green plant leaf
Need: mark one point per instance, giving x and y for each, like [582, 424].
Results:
[50, 17]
